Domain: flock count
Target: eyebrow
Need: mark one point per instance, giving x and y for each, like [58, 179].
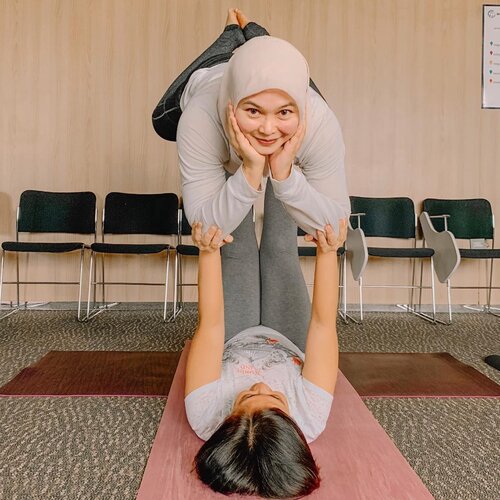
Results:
[290, 104]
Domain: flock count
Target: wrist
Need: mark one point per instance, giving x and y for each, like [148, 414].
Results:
[281, 174]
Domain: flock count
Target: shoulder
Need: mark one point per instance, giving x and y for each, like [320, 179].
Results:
[313, 408]
[200, 127]
[323, 128]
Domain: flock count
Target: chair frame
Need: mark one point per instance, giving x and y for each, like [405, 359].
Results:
[359, 251]
[487, 308]
[18, 282]
[92, 283]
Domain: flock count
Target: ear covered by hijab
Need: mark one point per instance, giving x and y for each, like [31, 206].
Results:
[262, 63]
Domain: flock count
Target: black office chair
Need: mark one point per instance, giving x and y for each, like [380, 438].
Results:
[391, 218]
[134, 214]
[468, 219]
[310, 251]
[51, 212]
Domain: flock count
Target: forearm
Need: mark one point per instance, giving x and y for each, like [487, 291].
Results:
[210, 292]
[311, 208]
[223, 204]
[325, 292]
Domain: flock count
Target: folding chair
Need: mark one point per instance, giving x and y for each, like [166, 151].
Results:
[50, 212]
[467, 219]
[134, 214]
[390, 218]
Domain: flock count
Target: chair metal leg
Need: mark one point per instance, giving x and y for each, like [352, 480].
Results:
[80, 286]
[448, 287]
[174, 313]
[90, 286]
[166, 285]
[13, 310]
[17, 281]
[433, 291]
[361, 299]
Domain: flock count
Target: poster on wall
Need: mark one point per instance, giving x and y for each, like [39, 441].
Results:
[491, 57]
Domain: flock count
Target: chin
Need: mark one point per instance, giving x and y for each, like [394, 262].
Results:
[269, 150]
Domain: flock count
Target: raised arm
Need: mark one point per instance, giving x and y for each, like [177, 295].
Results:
[322, 353]
[204, 362]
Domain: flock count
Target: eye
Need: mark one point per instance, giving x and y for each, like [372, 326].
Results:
[286, 112]
[252, 111]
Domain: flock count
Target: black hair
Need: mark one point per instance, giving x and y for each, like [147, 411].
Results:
[261, 453]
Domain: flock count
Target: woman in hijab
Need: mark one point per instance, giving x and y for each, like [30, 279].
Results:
[242, 112]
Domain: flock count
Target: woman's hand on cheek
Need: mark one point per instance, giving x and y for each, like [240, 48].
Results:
[280, 162]
[251, 158]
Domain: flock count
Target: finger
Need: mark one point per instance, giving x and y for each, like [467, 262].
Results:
[229, 238]
[207, 237]
[321, 239]
[216, 239]
[196, 231]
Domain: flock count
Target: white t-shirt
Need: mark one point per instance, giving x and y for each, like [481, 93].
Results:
[259, 354]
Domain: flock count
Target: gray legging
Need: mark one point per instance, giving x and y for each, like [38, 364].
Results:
[266, 287]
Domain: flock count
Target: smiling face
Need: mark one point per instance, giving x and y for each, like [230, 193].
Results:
[260, 396]
[267, 119]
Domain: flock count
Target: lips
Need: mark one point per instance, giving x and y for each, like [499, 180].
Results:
[266, 143]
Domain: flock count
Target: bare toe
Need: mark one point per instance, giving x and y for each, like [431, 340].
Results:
[242, 19]
[231, 17]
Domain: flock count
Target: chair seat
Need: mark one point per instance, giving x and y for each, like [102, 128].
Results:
[22, 246]
[310, 251]
[188, 250]
[129, 248]
[480, 253]
[410, 253]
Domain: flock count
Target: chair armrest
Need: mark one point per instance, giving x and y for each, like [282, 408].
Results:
[446, 253]
[358, 215]
[356, 246]
[443, 216]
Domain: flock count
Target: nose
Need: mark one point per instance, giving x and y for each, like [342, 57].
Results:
[267, 126]
[261, 388]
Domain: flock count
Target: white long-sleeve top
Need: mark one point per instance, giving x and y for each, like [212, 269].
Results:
[315, 193]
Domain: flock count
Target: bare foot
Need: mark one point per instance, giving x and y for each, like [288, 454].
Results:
[242, 19]
[231, 17]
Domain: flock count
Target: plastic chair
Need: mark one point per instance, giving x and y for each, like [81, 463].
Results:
[129, 214]
[466, 219]
[51, 212]
[388, 218]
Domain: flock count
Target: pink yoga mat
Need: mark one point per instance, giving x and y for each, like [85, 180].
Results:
[358, 460]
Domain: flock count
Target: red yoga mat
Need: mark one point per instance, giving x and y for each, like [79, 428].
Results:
[357, 458]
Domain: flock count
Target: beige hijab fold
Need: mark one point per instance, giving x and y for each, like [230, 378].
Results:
[262, 63]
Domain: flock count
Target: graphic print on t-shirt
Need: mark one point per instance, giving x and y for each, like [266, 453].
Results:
[252, 359]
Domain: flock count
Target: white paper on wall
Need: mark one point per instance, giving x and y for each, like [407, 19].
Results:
[491, 56]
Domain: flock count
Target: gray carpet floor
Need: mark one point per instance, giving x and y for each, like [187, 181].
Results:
[97, 448]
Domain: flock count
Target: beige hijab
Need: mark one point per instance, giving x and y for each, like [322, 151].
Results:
[262, 63]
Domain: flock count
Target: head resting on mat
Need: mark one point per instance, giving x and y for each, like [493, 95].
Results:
[260, 453]
[270, 73]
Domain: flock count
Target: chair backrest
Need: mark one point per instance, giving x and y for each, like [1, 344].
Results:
[185, 226]
[130, 213]
[468, 218]
[49, 212]
[384, 217]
